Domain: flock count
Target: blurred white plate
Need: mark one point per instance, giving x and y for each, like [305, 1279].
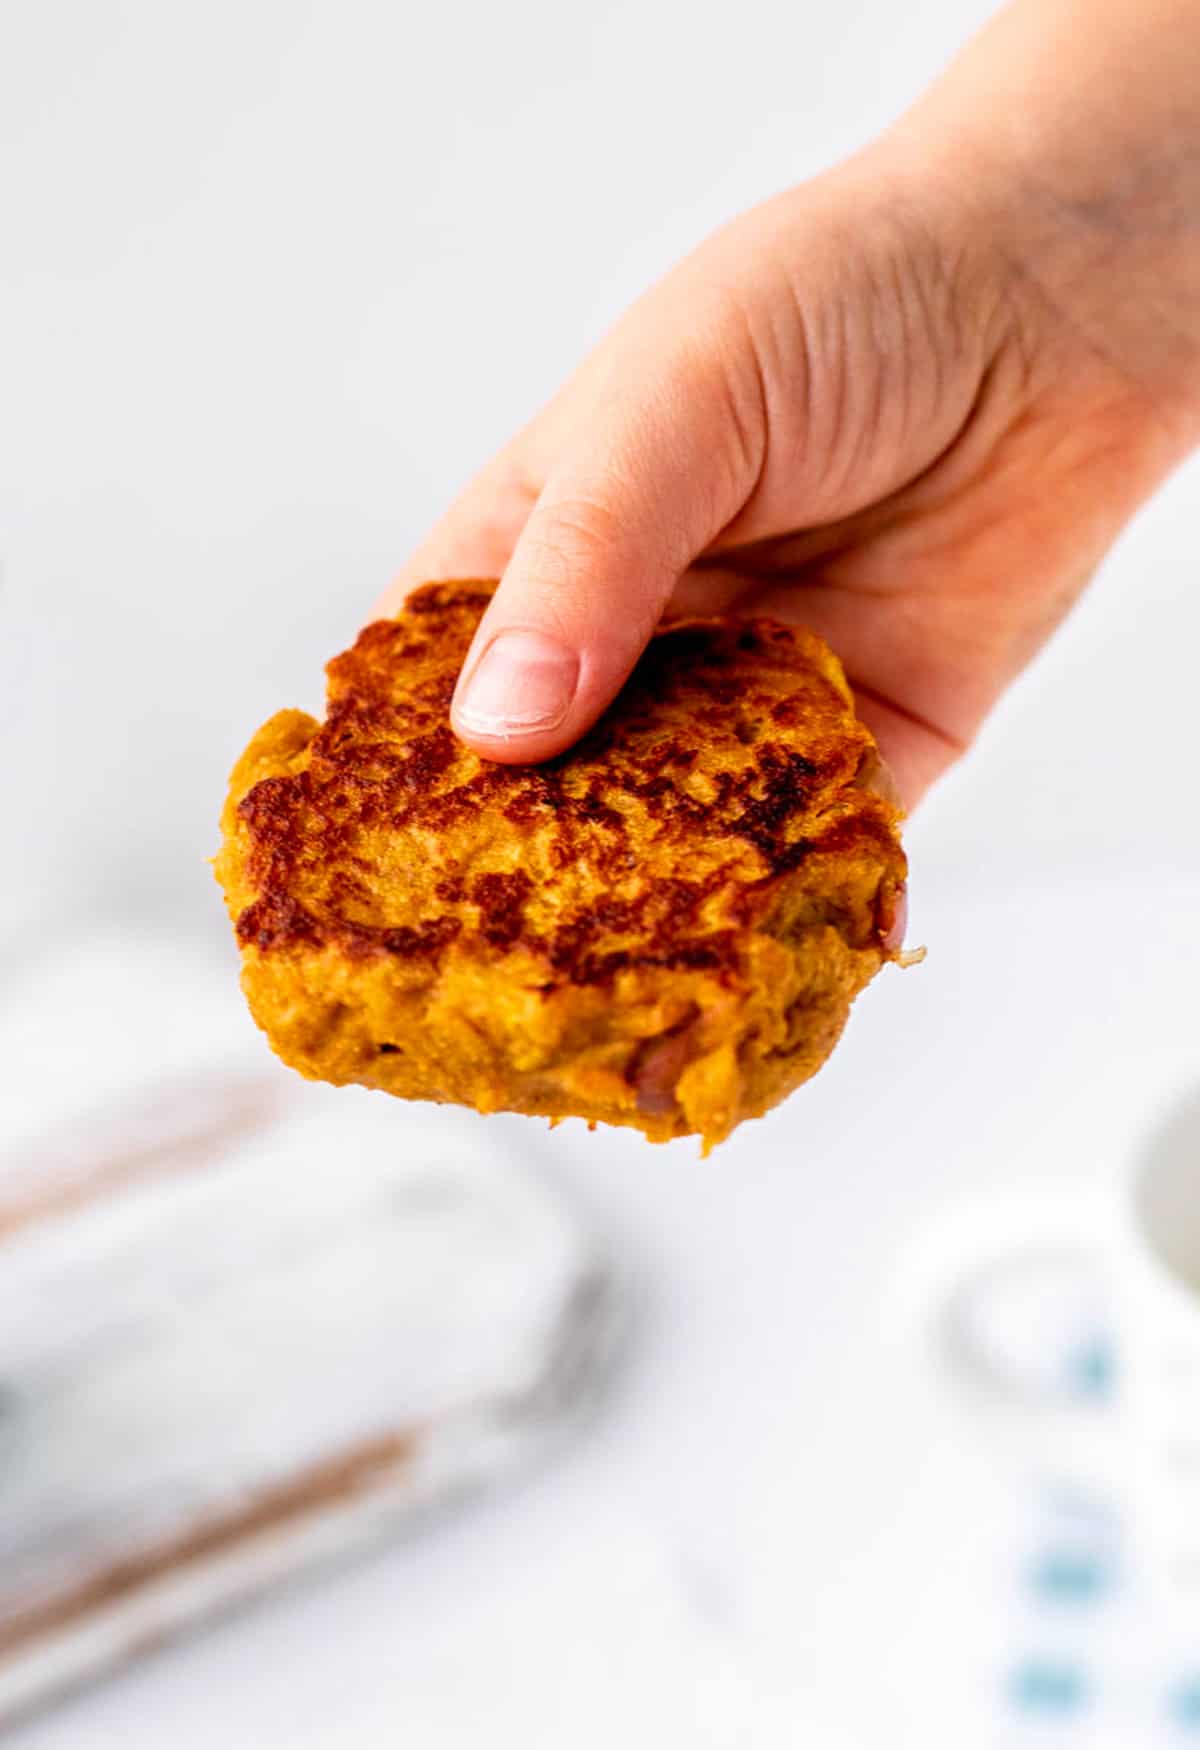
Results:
[245, 1326]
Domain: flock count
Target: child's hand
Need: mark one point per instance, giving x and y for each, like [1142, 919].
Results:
[909, 405]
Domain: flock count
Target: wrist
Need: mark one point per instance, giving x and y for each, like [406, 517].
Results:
[1069, 162]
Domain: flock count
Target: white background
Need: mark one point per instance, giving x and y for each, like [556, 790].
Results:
[274, 278]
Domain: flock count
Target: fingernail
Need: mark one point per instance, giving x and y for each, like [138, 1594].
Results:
[523, 681]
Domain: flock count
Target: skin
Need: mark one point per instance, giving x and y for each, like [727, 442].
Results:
[909, 404]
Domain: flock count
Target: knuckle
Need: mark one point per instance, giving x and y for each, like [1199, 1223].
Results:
[580, 560]
[576, 538]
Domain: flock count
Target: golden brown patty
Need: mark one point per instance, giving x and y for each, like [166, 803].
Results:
[664, 927]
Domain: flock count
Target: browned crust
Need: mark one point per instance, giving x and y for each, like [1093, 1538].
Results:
[740, 736]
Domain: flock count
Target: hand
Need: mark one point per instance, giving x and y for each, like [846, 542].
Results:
[909, 404]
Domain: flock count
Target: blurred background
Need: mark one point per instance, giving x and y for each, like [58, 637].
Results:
[274, 279]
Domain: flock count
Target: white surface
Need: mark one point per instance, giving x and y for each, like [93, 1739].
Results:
[273, 279]
[779, 1499]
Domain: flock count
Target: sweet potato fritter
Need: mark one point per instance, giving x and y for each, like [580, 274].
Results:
[664, 927]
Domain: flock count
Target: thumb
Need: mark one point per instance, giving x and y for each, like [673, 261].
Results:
[654, 461]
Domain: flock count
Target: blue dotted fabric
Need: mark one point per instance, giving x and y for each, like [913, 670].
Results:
[1041, 1687]
[1183, 1703]
[1085, 1657]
